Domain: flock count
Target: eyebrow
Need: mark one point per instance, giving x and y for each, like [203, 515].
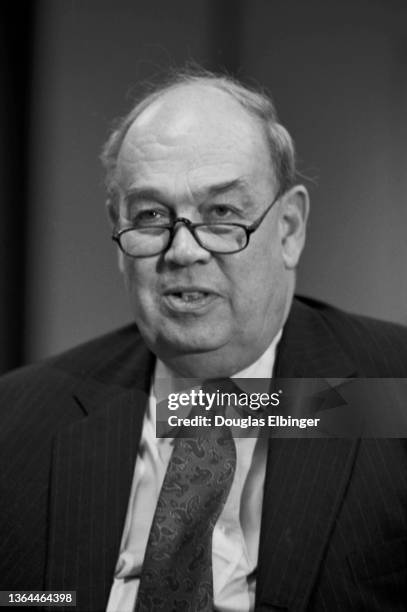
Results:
[143, 193]
[152, 193]
[236, 184]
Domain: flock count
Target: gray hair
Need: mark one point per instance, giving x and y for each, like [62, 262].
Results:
[255, 100]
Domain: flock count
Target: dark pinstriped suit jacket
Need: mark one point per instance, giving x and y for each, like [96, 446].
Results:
[333, 533]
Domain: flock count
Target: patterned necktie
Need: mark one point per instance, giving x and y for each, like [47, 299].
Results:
[177, 568]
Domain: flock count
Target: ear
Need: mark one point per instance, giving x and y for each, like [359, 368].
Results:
[113, 216]
[293, 222]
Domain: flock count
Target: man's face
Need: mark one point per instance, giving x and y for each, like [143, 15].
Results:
[195, 153]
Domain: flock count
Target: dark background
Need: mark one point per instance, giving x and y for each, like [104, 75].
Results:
[338, 74]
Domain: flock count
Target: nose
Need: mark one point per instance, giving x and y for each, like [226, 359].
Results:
[184, 249]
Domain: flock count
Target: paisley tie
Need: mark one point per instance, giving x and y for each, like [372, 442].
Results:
[177, 568]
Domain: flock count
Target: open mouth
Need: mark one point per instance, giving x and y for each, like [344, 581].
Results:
[188, 300]
[190, 296]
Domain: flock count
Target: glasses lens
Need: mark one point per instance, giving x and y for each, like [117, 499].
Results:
[145, 241]
[220, 238]
[217, 237]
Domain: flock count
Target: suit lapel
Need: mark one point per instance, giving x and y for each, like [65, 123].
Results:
[92, 470]
[305, 478]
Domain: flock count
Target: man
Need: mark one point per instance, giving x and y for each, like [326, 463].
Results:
[210, 226]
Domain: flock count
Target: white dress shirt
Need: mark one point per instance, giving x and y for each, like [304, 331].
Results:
[235, 540]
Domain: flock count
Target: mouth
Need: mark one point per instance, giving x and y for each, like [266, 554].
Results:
[189, 299]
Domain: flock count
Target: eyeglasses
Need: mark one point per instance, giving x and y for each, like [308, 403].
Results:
[220, 238]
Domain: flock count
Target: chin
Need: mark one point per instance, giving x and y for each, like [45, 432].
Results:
[169, 338]
[180, 340]
[188, 343]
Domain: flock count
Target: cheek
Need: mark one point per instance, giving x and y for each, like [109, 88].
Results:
[139, 278]
[255, 270]
[257, 283]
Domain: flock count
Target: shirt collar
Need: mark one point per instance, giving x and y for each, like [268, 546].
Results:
[165, 381]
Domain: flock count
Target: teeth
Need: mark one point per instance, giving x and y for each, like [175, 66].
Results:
[190, 296]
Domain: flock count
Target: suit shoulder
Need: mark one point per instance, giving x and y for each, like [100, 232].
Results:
[80, 360]
[379, 348]
[89, 357]
[53, 378]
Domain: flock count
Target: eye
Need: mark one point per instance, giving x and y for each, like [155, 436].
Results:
[221, 212]
[150, 216]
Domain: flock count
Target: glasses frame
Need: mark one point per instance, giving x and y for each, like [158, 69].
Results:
[249, 229]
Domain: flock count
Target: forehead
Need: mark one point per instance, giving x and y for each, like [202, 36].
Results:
[196, 136]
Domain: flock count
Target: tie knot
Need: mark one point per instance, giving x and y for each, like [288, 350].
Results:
[220, 393]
